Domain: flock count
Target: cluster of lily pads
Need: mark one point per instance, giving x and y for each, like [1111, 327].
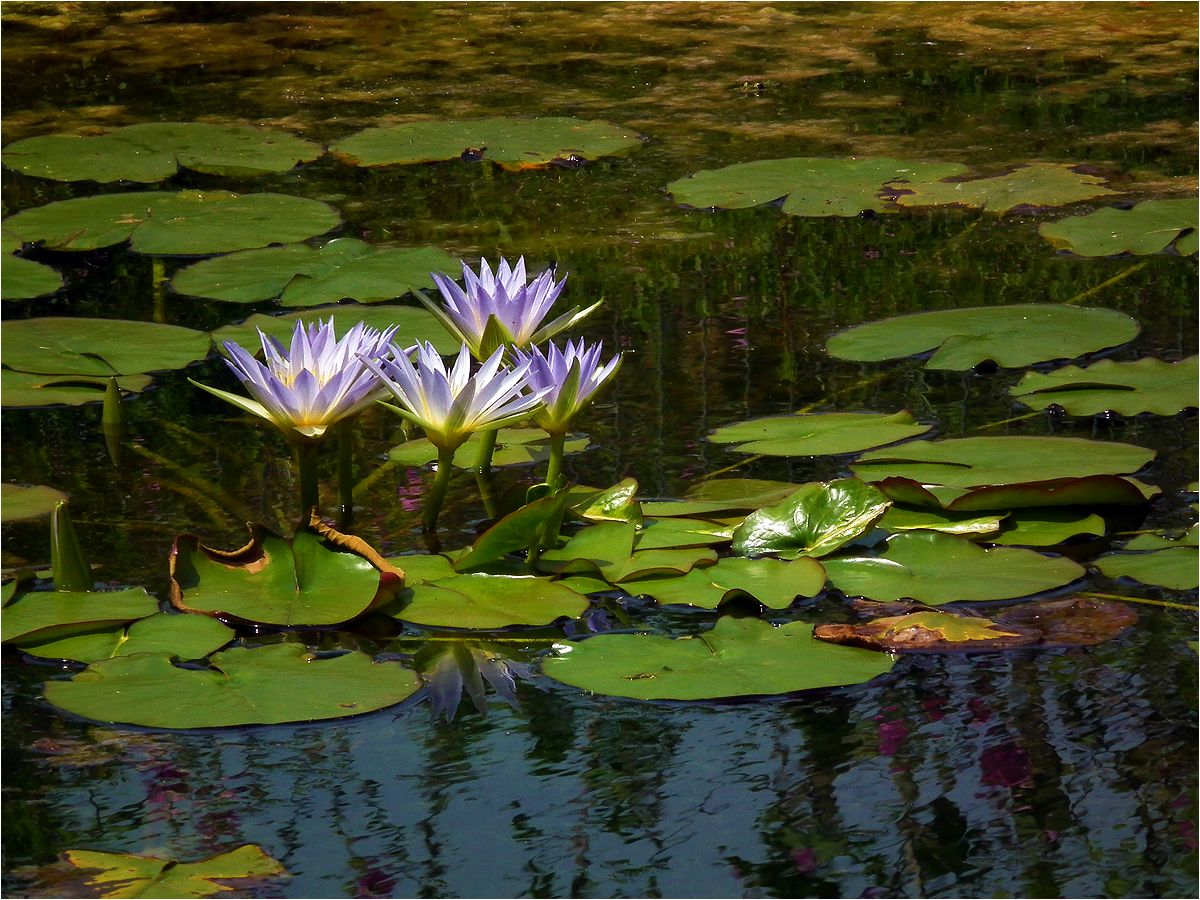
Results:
[574, 572]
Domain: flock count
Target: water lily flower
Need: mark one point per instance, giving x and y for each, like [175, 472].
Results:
[496, 309]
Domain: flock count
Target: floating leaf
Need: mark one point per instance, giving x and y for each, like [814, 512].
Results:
[319, 577]
[1033, 185]
[615, 504]
[1010, 336]
[1174, 568]
[1149, 227]
[941, 568]
[487, 602]
[722, 495]
[41, 615]
[738, 657]
[527, 528]
[24, 279]
[99, 347]
[1148, 385]
[414, 325]
[774, 583]
[1092, 490]
[814, 521]
[812, 186]
[1046, 527]
[661, 534]
[900, 518]
[607, 548]
[420, 567]
[184, 223]
[127, 875]
[512, 143]
[514, 447]
[300, 275]
[33, 389]
[19, 502]
[818, 434]
[182, 636]
[264, 685]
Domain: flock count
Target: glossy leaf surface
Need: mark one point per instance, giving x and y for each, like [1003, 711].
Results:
[816, 520]
[182, 636]
[45, 614]
[487, 602]
[773, 583]
[1175, 568]
[1146, 386]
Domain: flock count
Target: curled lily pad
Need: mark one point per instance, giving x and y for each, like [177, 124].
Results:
[243, 686]
[487, 602]
[33, 389]
[19, 502]
[615, 504]
[1146, 386]
[1149, 227]
[514, 447]
[319, 577]
[1010, 336]
[814, 521]
[182, 636]
[773, 583]
[413, 324]
[184, 223]
[300, 275]
[510, 142]
[128, 875]
[941, 568]
[819, 434]
[55, 345]
[812, 186]
[1035, 185]
[41, 615]
[738, 657]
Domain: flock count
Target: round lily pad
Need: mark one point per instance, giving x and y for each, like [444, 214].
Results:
[1146, 386]
[265, 685]
[487, 602]
[19, 502]
[941, 568]
[414, 324]
[300, 275]
[184, 223]
[154, 151]
[55, 345]
[1046, 527]
[814, 521]
[1174, 568]
[772, 582]
[510, 142]
[812, 186]
[42, 615]
[33, 389]
[1010, 336]
[819, 434]
[1149, 227]
[737, 658]
[1044, 184]
[23, 279]
[181, 636]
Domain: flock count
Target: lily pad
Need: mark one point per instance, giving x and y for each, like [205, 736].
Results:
[774, 583]
[737, 658]
[1175, 568]
[54, 345]
[19, 502]
[265, 685]
[608, 548]
[1149, 227]
[813, 186]
[128, 875]
[1091, 490]
[300, 275]
[487, 602]
[33, 389]
[414, 324]
[24, 279]
[1034, 185]
[181, 636]
[941, 568]
[514, 447]
[902, 518]
[530, 527]
[819, 434]
[816, 520]
[153, 151]
[1046, 527]
[319, 577]
[661, 534]
[165, 223]
[41, 615]
[420, 567]
[722, 496]
[1009, 336]
[615, 504]
[510, 142]
[1129, 388]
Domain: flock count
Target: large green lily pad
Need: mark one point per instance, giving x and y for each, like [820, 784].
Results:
[512, 143]
[774, 583]
[414, 324]
[904, 518]
[19, 502]
[1035, 185]
[319, 577]
[819, 434]
[1010, 336]
[153, 151]
[181, 636]
[55, 345]
[941, 568]
[265, 685]
[608, 548]
[41, 615]
[488, 602]
[816, 520]
[24, 279]
[1046, 527]
[34, 389]
[1146, 386]
[300, 275]
[1175, 568]
[165, 223]
[514, 447]
[129, 875]
[722, 496]
[738, 657]
[1149, 227]
[812, 186]
[662, 534]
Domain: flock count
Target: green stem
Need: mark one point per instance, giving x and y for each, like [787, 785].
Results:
[345, 431]
[487, 492]
[554, 469]
[437, 491]
[487, 447]
[306, 459]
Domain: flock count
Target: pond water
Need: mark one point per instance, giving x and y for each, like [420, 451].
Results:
[1055, 772]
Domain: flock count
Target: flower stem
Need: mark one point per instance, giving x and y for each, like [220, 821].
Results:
[437, 491]
[487, 447]
[554, 469]
[306, 459]
[345, 430]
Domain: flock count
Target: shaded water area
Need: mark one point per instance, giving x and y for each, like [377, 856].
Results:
[1059, 772]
